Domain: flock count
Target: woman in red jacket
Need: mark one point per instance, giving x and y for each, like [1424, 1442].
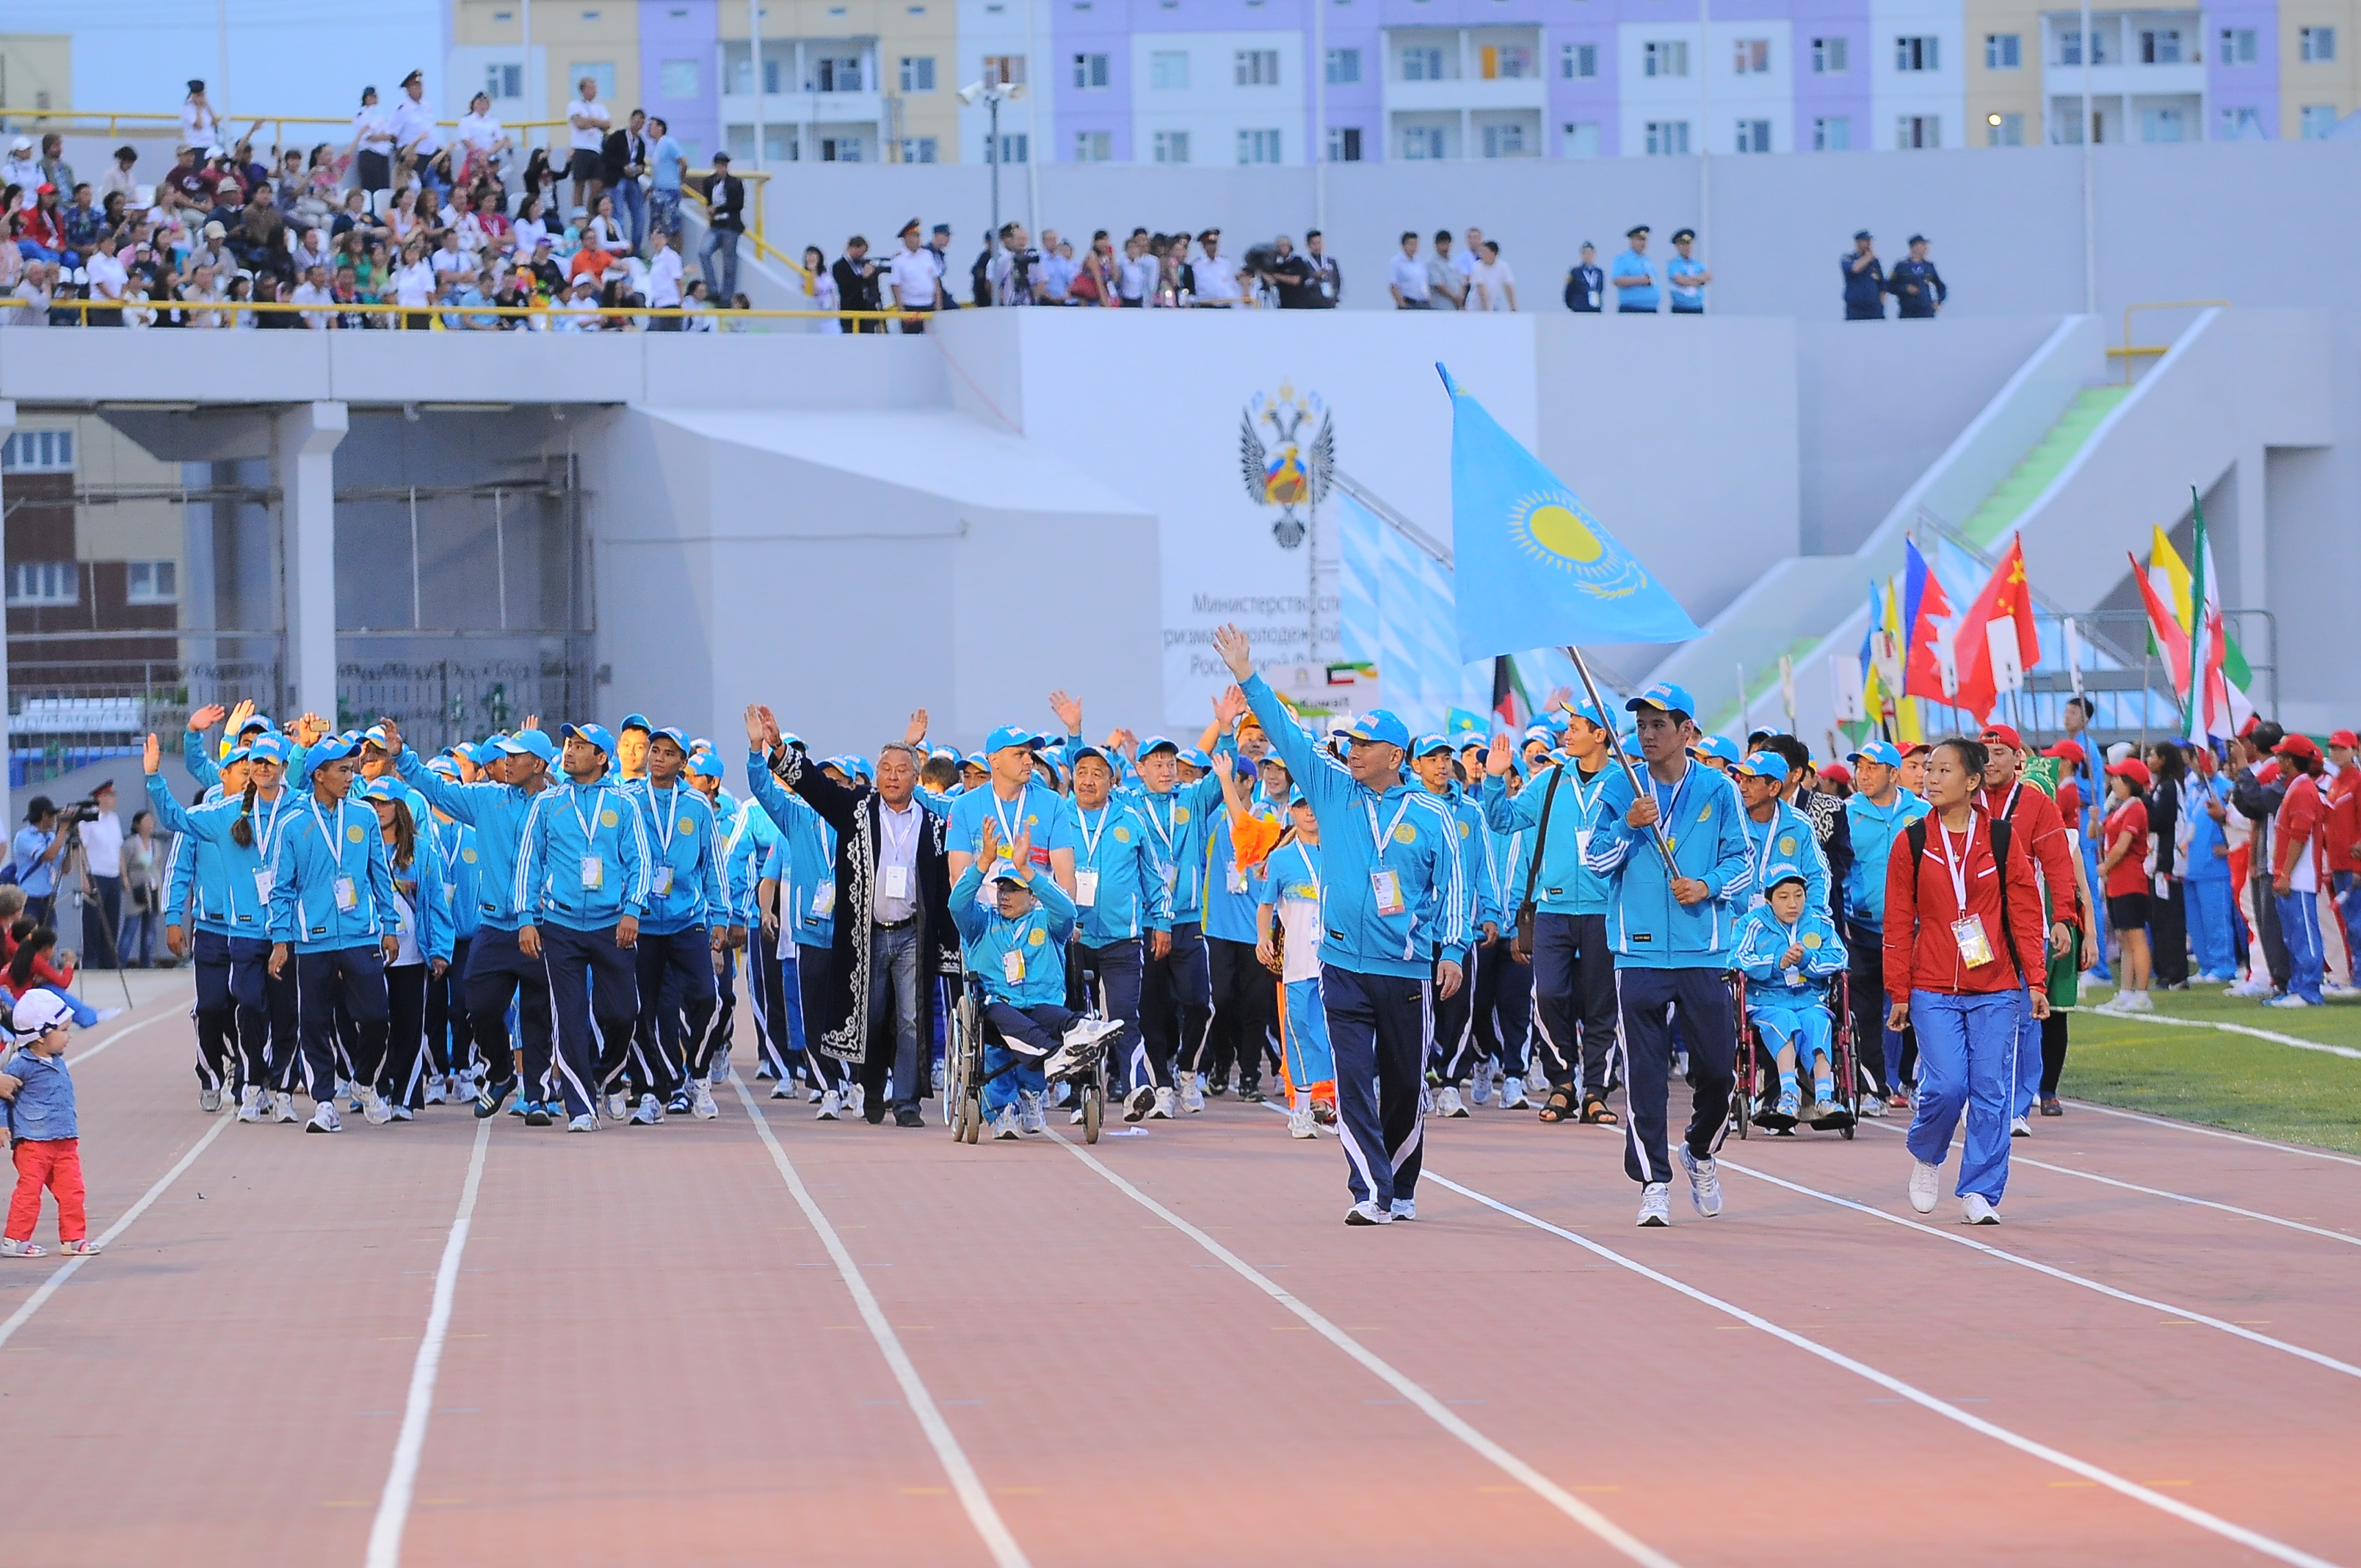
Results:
[1963, 952]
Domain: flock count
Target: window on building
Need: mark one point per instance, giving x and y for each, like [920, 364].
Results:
[1754, 136]
[1006, 70]
[2003, 131]
[1426, 62]
[2161, 125]
[835, 73]
[1582, 140]
[1167, 71]
[1090, 72]
[1919, 51]
[1574, 61]
[504, 81]
[2237, 46]
[2315, 121]
[1668, 138]
[1344, 66]
[918, 73]
[2159, 46]
[678, 79]
[1258, 147]
[38, 452]
[2241, 125]
[847, 149]
[1664, 57]
[1344, 144]
[919, 149]
[1423, 144]
[1255, 68]
[1832, 132]
[2004, 51]
[1829, 55]
[1753, 56]
[1917, 130]
[2070, 47]
[1504, 62]
[44, 583]
[151, 582]
[1015, 148]
[1171, 147]
[2317, 45]
[1093, 146]
[1505, 141]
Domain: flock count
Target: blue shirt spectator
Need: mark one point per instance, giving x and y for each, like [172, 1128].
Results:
[1634, 276]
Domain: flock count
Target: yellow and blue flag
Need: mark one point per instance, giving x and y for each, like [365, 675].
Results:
[1534, 567]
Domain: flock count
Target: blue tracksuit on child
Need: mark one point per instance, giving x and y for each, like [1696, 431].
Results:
[1021, 964]
[1790, 1004]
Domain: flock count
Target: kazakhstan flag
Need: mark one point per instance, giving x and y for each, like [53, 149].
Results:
[1534, 569]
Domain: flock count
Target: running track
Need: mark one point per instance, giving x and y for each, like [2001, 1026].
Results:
[1171, 1351]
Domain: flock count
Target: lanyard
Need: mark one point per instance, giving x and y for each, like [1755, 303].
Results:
[1770, 840]
[1958, 868]
[1007, 828]
[1167, 829]
[336, 846]
[1378, 836]
[273, 829]
[1668, 813]
[574, 794]
[664, 821]
[1090, 842]
[1310, 867]
[450, 851]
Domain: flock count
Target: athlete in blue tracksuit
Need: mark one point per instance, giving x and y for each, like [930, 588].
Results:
[450, 1034]
[582, 877]
[1125, 914]
[1243, 1028]
[1395, 914]
[1015, 946]
[1176, 993]
[1789, 948]
[707, 1057]
[1456, 1044]
[223, 853]
[332, 911]
[747, 840]
[1504, 981]
[1673, 933]
[498, 970]
[1781, 833]
[420, 920]
[688, 901]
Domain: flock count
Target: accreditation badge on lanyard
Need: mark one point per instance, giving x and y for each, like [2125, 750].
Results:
[1384, 885]
[345, 892]
[660, 883]
[1968, 931]
[1086, 878]
[266, 875]
[594, 869]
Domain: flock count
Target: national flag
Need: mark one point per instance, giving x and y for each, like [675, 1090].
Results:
[2170, 575]
[1925, 609]
[1458, 721]
[1504, 694]
[2006, 596]
[1535, 567]
[2164, 627]
[2215, 706]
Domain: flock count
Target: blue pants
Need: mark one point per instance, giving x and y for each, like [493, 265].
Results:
[2024, 1068]
[1648, 998]
[1574, 999]
[632, 201]
[1005, 1072]
[2348, 909]
[233, 1012]
[675, 976]
[498, 975]
[1303, 1036]
[1800, 1025]
[353, 978]
[2299, 930]
[724, 242]
[1110, 977]
[1455, 1045]
[1379, 1026]
[1504, 1009]
[1967, 1052]
[2212, 929]
[1176, 1001]
[587, 975]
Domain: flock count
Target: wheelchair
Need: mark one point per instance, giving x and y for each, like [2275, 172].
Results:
[964, 1075]
[1755, 1098]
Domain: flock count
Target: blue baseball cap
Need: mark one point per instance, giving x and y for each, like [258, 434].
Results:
[597, 734]
[700, 745]
[255, 721]
[531, 744]
[1578, 706]
[1197, 760]
[975, 760]
[1428, 745]
[1156, 743]
[1664, 697]
[236, 755]
[1877, 751]
[677, 736]
[638, 722]
[1009, 735]
[789, 739]
[1632, 744]
[385, 788]
[1540, 733]
[704, 765]
[374, 736]
[1784, 870]
[332, 748]
[936, 754]
[1720, 746]
[1378, 727]
[862, 766]
[1101, 753]
[1762, 765]
[444, 767]
[271, 747]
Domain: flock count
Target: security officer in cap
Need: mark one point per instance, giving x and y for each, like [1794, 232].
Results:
[1636, 276]
[1585, 285]
[1864, 281]
[1686, 275]
[1916, 285]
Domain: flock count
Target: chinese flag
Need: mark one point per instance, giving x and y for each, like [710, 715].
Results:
[2005, 596]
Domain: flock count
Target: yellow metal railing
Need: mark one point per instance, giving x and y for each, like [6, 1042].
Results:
[116, 123]
[2130, 351]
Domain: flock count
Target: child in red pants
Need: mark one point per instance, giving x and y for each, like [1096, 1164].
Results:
[41, 1121]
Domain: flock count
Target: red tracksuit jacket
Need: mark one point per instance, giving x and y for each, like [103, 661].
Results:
[1921, 954]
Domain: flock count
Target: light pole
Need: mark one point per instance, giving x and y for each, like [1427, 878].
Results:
[991, 96]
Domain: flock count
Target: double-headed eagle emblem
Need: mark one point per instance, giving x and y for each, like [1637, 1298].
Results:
[1295, 468]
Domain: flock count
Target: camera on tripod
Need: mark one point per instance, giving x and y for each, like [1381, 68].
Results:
[86, 809]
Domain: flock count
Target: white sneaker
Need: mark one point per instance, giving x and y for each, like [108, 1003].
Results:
[1974, 1210]
[282, 1108]
[718, 1071]
[1512, 1096]
[2251, 986]
[784, 1089]
[1367, 1213]
[433, 1095]
[1031, 1116]
[209, 1101]
[1655, 1205]
[1139, 1103]
[1192, 1092]
[1405, 1208]
[2290, 999]
[618, 1107]
[1481, 1092]
[649, 1112]
[585, 1122]
[374, 1108]
[1448, 1103]
[1005, 1125]
[1924, 1179]
[399, 1111]
[1299, 1123]
[1705, 1182]
[856, 1098]
[700, 1101]
[831, 1106]
[250, 1104]
[2019, 1127]
[1873, 1105]
[324, 1119]
[1164, 1106]
[2137, 1002]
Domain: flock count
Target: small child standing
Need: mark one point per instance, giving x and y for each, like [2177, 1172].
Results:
[1288, 924]
[1788, 953]
[48, 1144]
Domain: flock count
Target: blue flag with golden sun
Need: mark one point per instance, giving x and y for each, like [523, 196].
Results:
[1534, 569]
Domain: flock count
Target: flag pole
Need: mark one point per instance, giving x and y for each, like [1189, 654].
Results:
[1615, 747]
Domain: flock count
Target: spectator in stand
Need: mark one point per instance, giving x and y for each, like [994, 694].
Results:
[21, 169]
[108, 281]
[413, 285]
[1136, 284]
[83, 223]
[483, 141]
[35, 291]
[1016, 268]
[604, 231]
[55, 170]
[1057, 274]
[372, 150]
[1586, 284]
[1406, 280]
[200, 127]
[412, 123]
[667, 164]
[1290, 274]
[1327, 279]
[857, 282]
[1635, 275]
[623, 159]
[1916, 285]
[1098, 272]
[1685, 276]
[1447, 286]
[1216, 279]
[725, 212]
[528, 231]
[44, 237]
[1496, 286]
[121, 179]
[818, 291]
[591, 261]
[315, 290]
[1864, 280]
[663, 282]
[917, 278]
[589, 120]
[1469, 258]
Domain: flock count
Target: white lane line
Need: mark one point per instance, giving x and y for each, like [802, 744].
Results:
[1435, 1409]
[2247, 1029]
[2252, 1539]
[402, 1480]
[82, 1056]
[2213, 1133]
[2015, 1158]
[1961, 1239]
[971, 1495]
[73, 1266]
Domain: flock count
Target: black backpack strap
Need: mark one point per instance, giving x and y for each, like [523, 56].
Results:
[1917, 833]
[1540, 839]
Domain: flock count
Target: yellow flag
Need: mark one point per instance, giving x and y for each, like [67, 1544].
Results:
[2170, 576]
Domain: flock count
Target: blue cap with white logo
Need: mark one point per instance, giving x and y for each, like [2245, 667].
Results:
[1579, 706]
[704, 765]
[1763, 765]
[1720, 746]
[1428, 745]
[1664, 697]
[1877, 751]
[638, 722]
[270, 748]
[530, 743]
[1378, 727]
[1156, 743]
[596, 734]
[332, 748]
[1197, 760]
[677, 736]
[1009, 735]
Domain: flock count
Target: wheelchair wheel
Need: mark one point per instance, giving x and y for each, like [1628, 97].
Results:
[961, 1106]
[1094, 1108]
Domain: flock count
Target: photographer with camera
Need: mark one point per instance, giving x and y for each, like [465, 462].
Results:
[1016, 268]
[39, 848]
[97, 859]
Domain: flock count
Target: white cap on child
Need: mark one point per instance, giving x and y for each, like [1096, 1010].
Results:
[36, 1013]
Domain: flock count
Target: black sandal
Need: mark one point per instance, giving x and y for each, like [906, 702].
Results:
[1597, 1113]
[1559, 1106]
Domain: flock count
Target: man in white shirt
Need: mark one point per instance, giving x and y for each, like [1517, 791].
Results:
[451, 263]
[1217, 280]
[589, 120]
[1470, 259]
[1138, 278]
[102, 881]
[482, 133]
[413, 122]
[1407, 276]
[314, 290]
[663, 282]
[21, 167]
[34, 291]
[1496, 286]
[109, 280]
[916, 277]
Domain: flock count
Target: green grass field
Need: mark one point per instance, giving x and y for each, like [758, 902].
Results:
[2222, 1079]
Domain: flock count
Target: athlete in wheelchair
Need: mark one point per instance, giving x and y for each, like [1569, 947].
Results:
[1024, 1036]
[1791, 967]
